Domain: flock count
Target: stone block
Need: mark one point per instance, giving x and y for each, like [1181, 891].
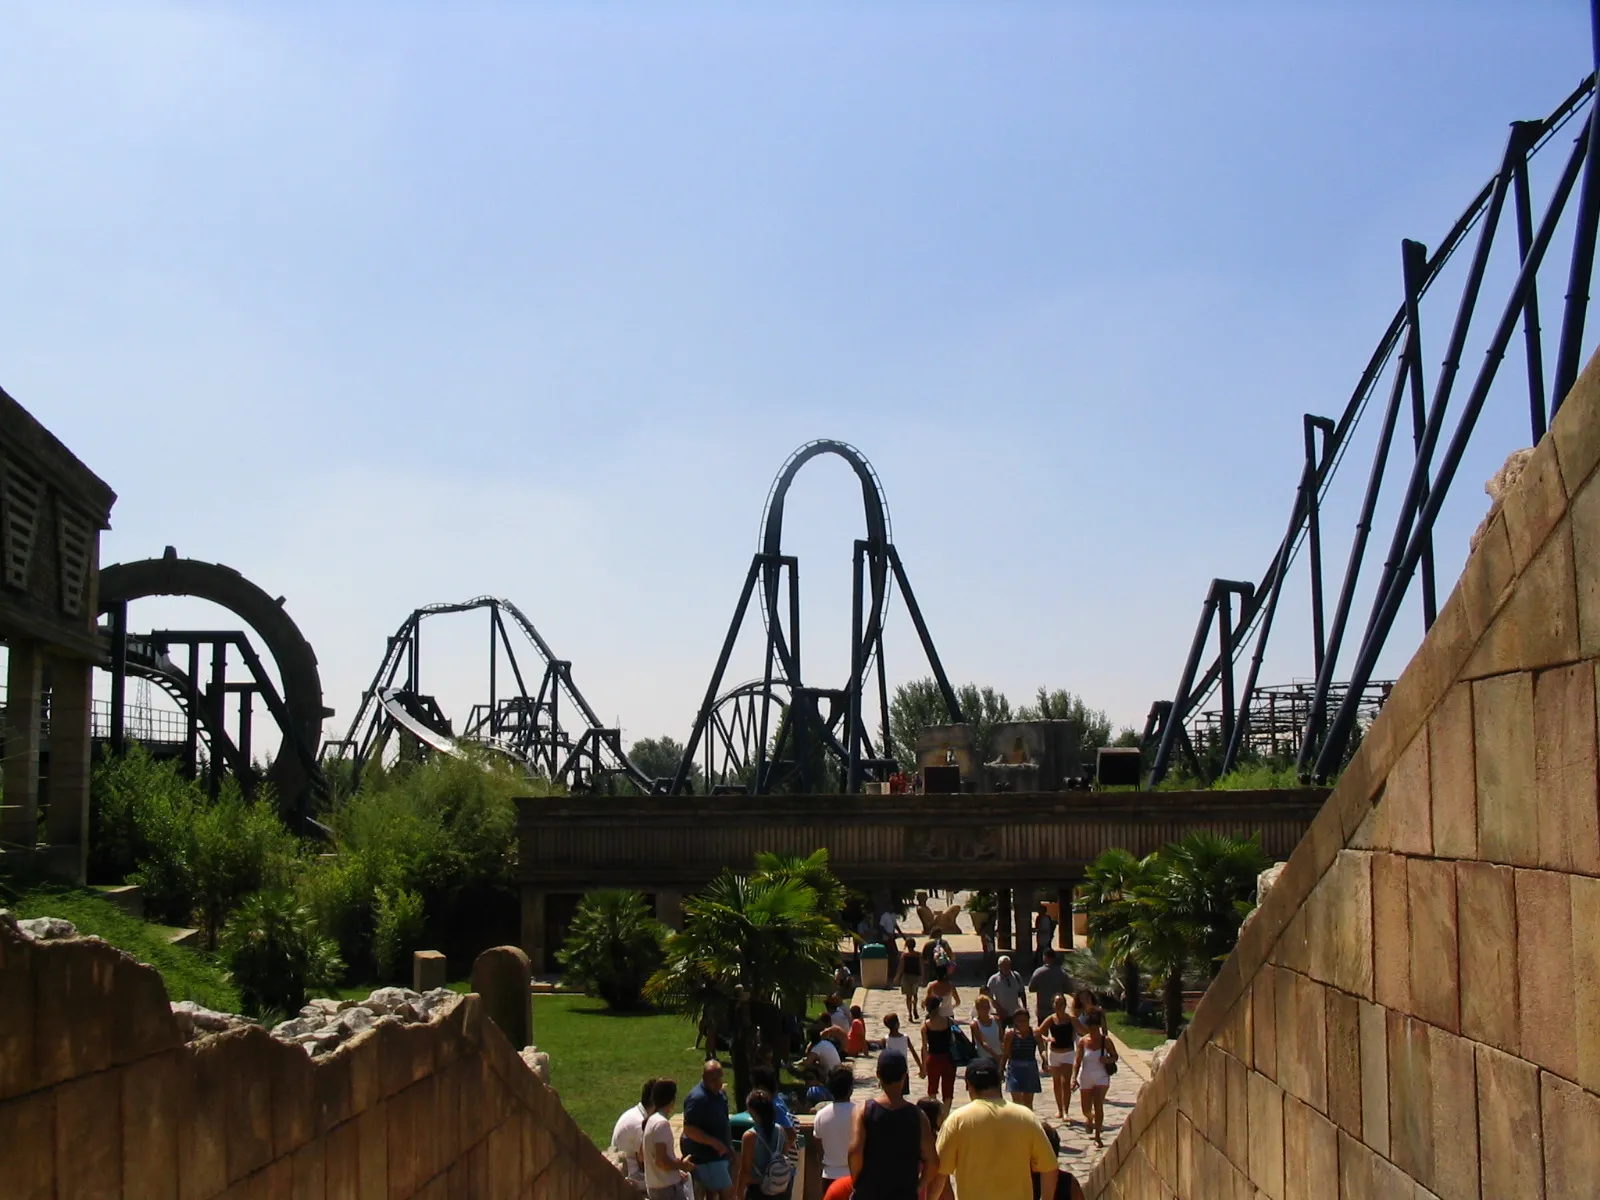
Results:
[1487, 578]
[372, 1131]
[1585, 515]
[1435, 975]
[249, 1054]
[1533, 507]
[342, 1162]
[1538, 626]
[74, 1010]
[275, 1181]
[1586, 977]
[1374, 1049]
[308, 1171]
[1510, 1153]
[143, 1023]
[1344, 1061]
[294, 1100]
[1310, 1154]
[1355, 1169]
[89, 1137]
[1293, 951]
[1455, 1117]
[502, 976]
[151, 1115]
[469, 1176]
[1302, 1039]
[1391, 932]
[17, 1039]
[1566, 781]
[331, 1089]
[1545, 971]
[1237, 1139]
[505, 1160]
[1263, 1006]
[1389, 1182]
[28, 1146]
[203, 1129]
[1487, 927]
[1570, 1118]
[1502, 724]
[1576, 429]
[428, 970]
[1405, 816]
[405, 1166]
[1410, 1097]
[1453, 775]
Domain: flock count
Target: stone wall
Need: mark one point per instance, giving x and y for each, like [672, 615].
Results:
[1414, 1011]
[100, 1097]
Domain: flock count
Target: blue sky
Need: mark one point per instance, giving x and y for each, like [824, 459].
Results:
[389, 304]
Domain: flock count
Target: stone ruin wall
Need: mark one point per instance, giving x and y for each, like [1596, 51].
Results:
[1414, 1010]
[100, 1096]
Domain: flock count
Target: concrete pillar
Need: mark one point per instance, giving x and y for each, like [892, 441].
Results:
[19, 811]
[71, 685]
[501, 976]
[1025, 906]
[669, 909]
[1064, 907]
[1002, 906]
[533, 928]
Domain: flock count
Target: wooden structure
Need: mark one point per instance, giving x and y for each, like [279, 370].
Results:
[52, 509]
[1032, 845]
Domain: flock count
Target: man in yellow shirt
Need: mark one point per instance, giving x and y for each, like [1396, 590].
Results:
[993, 1149]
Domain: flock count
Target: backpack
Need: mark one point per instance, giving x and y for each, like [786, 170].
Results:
[778, 1174]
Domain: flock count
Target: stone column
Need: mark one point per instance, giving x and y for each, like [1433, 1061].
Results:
[1024, 904]
[533, 927]
[71, 686]
[501, 976]
[1064, 907]
[669, 908]
[19, 810]
[1002, 918]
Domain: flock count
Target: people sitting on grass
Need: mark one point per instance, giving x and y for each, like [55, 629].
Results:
[824, 1050]
[855, 1043]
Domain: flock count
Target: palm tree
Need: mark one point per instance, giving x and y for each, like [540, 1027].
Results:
[613, 946]
[1210, 883]
[750, 948]
[813, 871]
[1162, 936]
[1106, 894]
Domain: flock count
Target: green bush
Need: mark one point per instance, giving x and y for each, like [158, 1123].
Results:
[613, 947]
[398, 930]
[135, 805]
[276, 954]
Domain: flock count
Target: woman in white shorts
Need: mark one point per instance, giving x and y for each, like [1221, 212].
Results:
[1090, 1075]
[1058, 1027]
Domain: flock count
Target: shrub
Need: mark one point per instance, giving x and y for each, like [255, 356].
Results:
[276, 954]
[397, 930]
[135, 805]
[613, 947]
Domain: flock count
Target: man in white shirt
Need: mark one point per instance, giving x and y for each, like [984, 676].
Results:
[1007, 989]
[824, 1053]
[834, 1123]
[627, 1136]
[665, 1173]
[890, 924]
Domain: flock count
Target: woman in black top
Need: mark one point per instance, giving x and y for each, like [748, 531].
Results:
[1062, 1031]
[938, 1065]
[892, 1146]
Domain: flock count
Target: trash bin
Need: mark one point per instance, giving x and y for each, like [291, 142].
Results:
[874, 965]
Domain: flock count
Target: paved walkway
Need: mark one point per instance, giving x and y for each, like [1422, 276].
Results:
[1079, 1154]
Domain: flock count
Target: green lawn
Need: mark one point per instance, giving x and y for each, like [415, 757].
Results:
[1135, 1034]
[188, 974]
[599, 1058]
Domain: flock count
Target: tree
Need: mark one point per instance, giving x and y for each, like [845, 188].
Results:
[659, 758]
[1210, 881]
[751, 948]
[1106, 894]
[613, 947]
[919, 705]
[812, 871]
[1090, 727]
[276, 955]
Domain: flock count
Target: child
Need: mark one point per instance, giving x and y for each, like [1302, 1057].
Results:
[898, 1043]
[856, 1042]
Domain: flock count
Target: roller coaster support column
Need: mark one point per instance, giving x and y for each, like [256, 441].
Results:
[945, 690]
[1387, 604]
[1414, 257]
[857, 662]
[119, 678]
[710, 700]
[1582, 244]
[1221, 589]
[1532, 343]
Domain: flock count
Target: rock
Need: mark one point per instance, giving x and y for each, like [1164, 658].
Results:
[501, 976]
[1266, 879]
[1498, 484]
[294, 1030]
[353, 1021]
[538, 1062]
[389, 999]
[47, 929]
[430, 1001]
[195, 1020]
[322, 1008]
[1159, 1055]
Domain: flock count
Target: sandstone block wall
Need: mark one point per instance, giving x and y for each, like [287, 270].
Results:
[1414, 1011]
[100, 1097]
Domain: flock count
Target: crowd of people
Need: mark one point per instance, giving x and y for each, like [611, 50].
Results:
[895, 1146]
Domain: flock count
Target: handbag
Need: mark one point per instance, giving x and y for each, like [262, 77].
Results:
[1108, 1054]
[962, 1051]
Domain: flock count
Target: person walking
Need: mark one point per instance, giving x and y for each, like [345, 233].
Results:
[1007, 989]
[627, 1135]
[1046, 927]
[1090, 1073]
[909, 977]
[993, 1149]
[895, 1042]
[1021, 1060]
[938, 1063]
[764, 1169]
[987, 1031]
[1061, 1037]
[708, 1134]
[892, 1151]
[1084, 1003]
[835, 1123]
[664, 1172]
[1046, 983]
[941, 993]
